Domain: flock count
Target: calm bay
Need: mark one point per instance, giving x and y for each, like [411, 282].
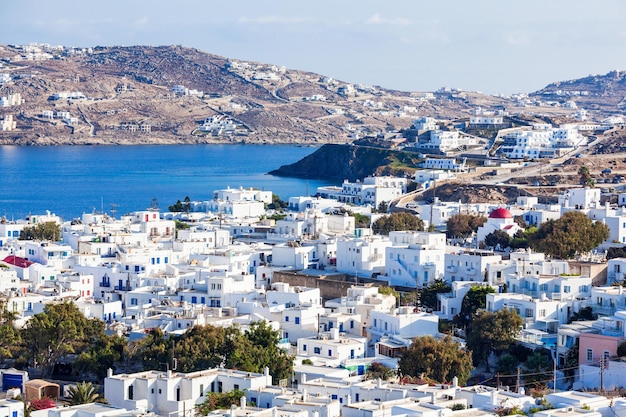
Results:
[71, 180]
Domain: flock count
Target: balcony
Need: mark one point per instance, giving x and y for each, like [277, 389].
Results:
[452, 268]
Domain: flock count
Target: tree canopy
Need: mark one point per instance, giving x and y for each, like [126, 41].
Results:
[498, 238]
[474, 300]
[463, 225]
[203, 347]
[572, 234]
[42, 231]
[492, 332]
[428, 295]
[439, 360]
[397, 221]
[61, 329]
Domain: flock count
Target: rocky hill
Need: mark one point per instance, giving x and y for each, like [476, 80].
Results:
[134, 95]
[339, 162]
[594, 92]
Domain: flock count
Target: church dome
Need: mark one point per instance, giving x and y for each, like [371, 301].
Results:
[500, 213]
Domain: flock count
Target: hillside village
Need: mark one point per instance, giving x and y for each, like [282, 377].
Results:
[343, 298]
[315, 277]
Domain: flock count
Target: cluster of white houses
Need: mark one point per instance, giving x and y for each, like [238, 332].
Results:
[314, 276]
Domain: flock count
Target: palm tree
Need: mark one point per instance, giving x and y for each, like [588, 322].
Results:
[82, 393]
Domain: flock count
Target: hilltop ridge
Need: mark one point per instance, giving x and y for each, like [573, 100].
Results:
[175, 94]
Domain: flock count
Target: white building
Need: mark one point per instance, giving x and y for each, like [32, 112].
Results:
[332, 347]
[363, 256]
[165, 393]
[415, 259]
[403, 322]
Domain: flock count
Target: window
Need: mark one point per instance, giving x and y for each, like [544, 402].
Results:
[317, 350]
[236, 387]
[287, 318]
[219, 386]
[589, 355]
[297, 320]
[131, 392]
[202, 390]
[304, 348]
[566, 288]
[330, 352]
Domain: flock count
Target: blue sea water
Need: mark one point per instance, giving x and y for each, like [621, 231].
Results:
[71, 180]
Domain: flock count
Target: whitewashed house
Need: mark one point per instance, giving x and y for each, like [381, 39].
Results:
[415, 259]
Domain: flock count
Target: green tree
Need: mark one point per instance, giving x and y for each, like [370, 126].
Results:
[539, 370]
[152, 350]
[98, 358]
[474, 300]
[277, 203]
[201, 347]
[180, 225]
[378, 370]
[506, 367]
[383, 207]
[520, 239]
[264, 352]
[439, 360]
[616, 252]
[361, 220]
[42, 231]
[572, 234]
[397, 221]
[428, 295]
[61, 329]
[10, 337]
[219, 401]
[585, 176]
[498, 238]
[492, 332]
[82, 393]
[463, 225]
[176, 207]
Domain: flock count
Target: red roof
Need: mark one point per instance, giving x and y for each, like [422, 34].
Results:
[500, 213]
[17, 261]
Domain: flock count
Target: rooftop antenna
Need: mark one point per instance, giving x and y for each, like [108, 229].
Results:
[154, 205]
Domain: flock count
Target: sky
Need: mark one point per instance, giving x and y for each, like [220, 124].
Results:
[492, 46]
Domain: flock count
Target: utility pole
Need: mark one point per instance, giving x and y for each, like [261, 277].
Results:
[602, 374]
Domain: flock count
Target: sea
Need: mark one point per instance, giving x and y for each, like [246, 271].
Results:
[71, 180]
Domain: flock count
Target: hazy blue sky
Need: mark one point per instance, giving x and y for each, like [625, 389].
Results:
[491, 46]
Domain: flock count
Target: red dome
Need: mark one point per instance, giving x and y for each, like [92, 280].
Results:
[500, 213]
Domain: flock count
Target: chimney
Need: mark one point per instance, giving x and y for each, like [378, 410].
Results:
[303, 378]
[109, 373]
[266, 371]
[242, 402]
[349, 399]
[169, 373]
[455, 382]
